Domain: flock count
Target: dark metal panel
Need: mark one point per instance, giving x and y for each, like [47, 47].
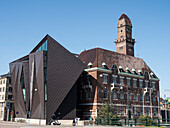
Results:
[16, 69]
[37, 70]
[63, 70]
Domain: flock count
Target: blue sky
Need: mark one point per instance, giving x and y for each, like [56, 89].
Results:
[85, 24]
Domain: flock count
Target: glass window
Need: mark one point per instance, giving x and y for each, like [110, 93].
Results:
[104, 93]
[43, 47]
[135, 96]
[154, 98]
[128, 96]
[0, 89]
[128, 82]
[153, 85]
[4, 81]
[122, 110]
[114, 94]
[140, 84]
[2, 97]
[141, 110]
[147, 110]
[88, 94]
[9, 97]
[10, 89]
[114, 79]
[154, 111]
[121, 81]
[115, 109]
[3, 89]
[134, 83]
[1, 82]
[105, 78]
[147, 97]
[141, 96]
[121, 95]
[146, 84]
[135, 111]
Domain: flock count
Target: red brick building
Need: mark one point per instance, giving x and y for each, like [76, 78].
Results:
[127, 82]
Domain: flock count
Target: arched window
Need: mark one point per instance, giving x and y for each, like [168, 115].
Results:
[121, 95]
[114, 94]
[135, 96]
[141, 96]
[104, 93]
[154, 98]
[147, 97]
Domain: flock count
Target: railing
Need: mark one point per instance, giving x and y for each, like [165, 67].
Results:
[132, 122]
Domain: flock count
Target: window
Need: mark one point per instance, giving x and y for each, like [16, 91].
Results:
[114, 79]
[121, 47]
[10, 89]
[1, 82]
[140, 84]
[135, 96]
[4, 81]
[9, 97]
[104, 93]
[153, 85]
[128, 81]
[147, 97]
[105, 78]
[43, 47]
[146, 84]
[3, 89]
[121, 30]
[122, 110]
[128, 96]
[135, 111]
[2, 97]
[115, 109]
[121, 81]
[114, 94]
[88, 94]
[141, 96]
[154, 98]
[121, 95]
[134, 83]
[0, 89]
[154, 111]
[147, 110]
[141, 110]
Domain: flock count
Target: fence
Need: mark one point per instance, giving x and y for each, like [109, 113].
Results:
[132, 122]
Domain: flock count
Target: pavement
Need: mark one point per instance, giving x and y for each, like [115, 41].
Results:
[4, 124]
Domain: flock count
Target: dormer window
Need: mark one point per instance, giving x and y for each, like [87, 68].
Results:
[89, 65]
[127, 70]
[134, 71]
[140, 72]
[104, 65]
[121, 69]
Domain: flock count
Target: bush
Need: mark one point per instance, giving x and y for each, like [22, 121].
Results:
[146, 120]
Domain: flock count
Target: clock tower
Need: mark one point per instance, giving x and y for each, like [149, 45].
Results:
[125, 43]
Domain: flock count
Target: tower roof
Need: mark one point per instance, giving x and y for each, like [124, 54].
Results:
[126, 19]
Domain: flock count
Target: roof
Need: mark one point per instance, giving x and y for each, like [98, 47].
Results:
[127, 20]
[98, 55]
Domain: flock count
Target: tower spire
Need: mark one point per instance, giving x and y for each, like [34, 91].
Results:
[125, 43]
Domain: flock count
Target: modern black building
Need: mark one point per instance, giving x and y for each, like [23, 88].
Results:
[44, 82]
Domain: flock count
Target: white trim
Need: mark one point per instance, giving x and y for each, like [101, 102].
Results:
[114, 75]
[121, 77]
[128, 78]
[134, 79]
[105, 74]
[146, 80]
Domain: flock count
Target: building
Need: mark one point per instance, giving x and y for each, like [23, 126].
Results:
[45, 82]
[119, 78]
[51, 80]
[6, 98]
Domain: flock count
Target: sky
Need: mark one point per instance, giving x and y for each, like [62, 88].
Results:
[86, 24]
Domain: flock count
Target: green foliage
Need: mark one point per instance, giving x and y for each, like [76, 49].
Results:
[146, 120]
[113, 117]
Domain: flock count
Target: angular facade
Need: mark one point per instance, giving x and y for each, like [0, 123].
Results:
[44, 82]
